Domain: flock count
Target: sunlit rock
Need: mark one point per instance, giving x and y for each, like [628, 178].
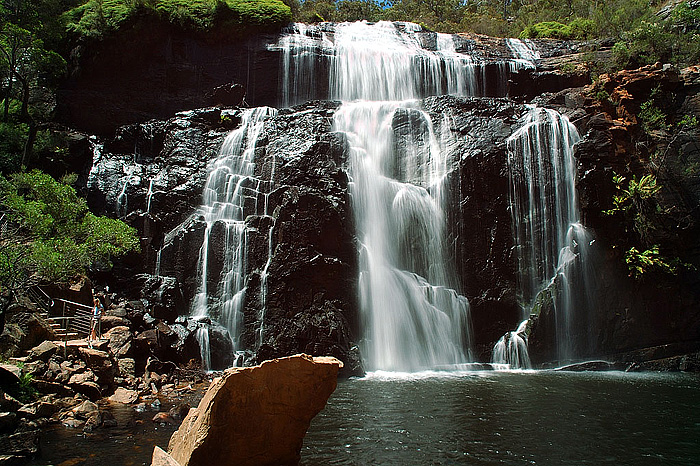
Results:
[256, 415]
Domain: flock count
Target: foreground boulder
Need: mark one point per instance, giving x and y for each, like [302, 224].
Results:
[256, 415]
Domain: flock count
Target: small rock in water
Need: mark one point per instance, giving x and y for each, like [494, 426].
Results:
[123, 395]
[164, 418]
[73, 423]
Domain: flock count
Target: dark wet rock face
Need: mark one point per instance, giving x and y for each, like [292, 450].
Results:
[303, 254]
[157, 71]
[479, 216]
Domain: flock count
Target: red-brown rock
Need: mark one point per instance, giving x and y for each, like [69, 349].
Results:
[258, 415]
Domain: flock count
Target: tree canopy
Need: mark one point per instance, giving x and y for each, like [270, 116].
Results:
[47, 232]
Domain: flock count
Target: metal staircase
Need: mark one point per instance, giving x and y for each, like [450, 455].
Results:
[69, 320]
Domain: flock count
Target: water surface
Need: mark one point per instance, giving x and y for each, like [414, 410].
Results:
[509, 418]
[476, 418]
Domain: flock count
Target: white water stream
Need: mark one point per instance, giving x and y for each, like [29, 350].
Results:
[232, 192]
[413, 316]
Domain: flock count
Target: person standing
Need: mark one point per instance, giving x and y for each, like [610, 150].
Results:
[96, 316]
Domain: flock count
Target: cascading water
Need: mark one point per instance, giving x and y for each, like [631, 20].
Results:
[551, 243]
[525, 52]
[396, 63]
[231, 193]
[511, 349]
[413, 317]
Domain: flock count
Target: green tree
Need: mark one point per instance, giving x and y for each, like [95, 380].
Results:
[27, 66]
[47, 232]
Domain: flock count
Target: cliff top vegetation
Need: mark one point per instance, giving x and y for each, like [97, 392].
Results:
[97, 18]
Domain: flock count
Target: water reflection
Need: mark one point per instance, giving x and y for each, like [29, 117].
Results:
[510, 418]
[457, 418]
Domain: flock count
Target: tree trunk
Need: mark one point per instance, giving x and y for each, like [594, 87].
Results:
[29, 144]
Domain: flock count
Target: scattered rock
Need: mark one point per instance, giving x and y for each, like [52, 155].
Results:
[37, 410]
[9, 375]
[109, 322]
[8, 403]
[45, 386]
[108, 419]
[22, 444]
[42, 351]
[281, 395]
[73, 423]
[123, 395]
[120, 341]
[8, 422]
[85, 410]
[82, 377]
[180, 411]
[127, 367]
[89, 389]
[93, 422]
[164, 418]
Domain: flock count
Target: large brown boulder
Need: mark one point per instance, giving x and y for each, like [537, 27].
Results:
[256, 415]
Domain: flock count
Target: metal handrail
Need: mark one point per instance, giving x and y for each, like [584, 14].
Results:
[40, 297]
[75, 317]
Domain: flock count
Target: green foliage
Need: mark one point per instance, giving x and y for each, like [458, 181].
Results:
[547, 30]
[189, 14]
[674, 40]
[582, 28]
[641, 264]
[689, 121]
[262, 13]
[55, 236]
[602, 95]
[630, 201]
[653, 118]
[24, 391]
[636, 192]
[99, 18]
[612, 18]
[579, 28]
[12, 137]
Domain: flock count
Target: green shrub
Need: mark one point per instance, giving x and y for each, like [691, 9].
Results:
[582, 28]
[188, 14]
[653, 118]
[12, 137]
[264, 13]
[98, 18]
[547, 30]
[56, 236]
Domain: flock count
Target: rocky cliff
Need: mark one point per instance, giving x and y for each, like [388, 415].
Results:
[644, 318]
[304, 252]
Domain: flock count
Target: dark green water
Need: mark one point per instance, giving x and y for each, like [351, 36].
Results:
[490, 418]
[478, 418]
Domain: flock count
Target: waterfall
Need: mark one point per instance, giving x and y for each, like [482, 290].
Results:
[149, 196]
[231, 194]
[551, 243]
[412, 316]
[511, 349]
[202, 336]
[379, 61]
[525, 52]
